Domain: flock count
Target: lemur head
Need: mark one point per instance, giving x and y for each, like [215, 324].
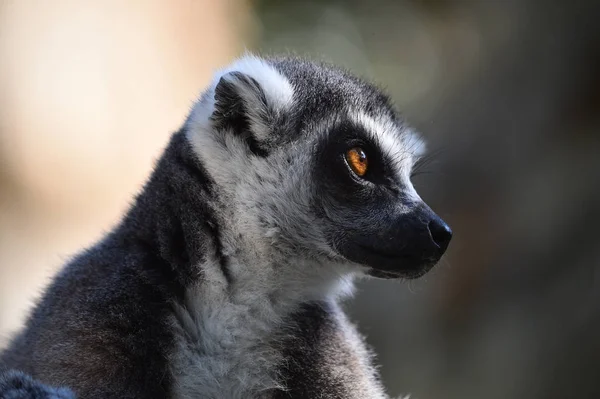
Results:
[315, 163]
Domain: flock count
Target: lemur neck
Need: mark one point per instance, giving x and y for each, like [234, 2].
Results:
[254, 306]
[177, 217]
[284, 283]
[254, 265]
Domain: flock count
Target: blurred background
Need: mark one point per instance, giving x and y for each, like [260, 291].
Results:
[507, 94]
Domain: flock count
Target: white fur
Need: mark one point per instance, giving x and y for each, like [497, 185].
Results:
[222, 160]
[225, 328]
[403, 148]
[226, 346]
[393, 142]
[277, 89]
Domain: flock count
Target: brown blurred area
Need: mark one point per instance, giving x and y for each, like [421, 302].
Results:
[507, 95]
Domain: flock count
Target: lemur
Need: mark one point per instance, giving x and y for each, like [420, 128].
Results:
[289, 179]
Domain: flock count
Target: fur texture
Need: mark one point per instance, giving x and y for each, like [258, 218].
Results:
[223, 279]
[16, 385]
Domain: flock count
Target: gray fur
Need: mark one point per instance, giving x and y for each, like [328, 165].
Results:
[223, 280]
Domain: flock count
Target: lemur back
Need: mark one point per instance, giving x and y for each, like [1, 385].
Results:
[288, 180]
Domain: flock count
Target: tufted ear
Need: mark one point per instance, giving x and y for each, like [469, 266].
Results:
[240, 105]
[245, 99]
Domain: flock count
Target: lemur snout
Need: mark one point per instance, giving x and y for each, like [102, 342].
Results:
[425, 237]
[440, 232]
[406, 245]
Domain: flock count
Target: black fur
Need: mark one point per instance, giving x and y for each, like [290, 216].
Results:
[231, 110]
[102, 325]
[328, 90]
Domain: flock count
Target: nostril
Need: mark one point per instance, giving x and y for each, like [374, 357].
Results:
[440, 233]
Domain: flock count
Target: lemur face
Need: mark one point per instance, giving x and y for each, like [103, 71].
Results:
[372, 214]
[317, 163]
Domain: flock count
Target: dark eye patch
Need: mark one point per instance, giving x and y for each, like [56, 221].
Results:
[338, 188]
[347, 135]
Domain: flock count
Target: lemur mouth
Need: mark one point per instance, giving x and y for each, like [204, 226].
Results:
[389, 275]
[383, 274]
[393, 266]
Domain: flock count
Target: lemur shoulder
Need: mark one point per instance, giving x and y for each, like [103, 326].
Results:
[288, 180]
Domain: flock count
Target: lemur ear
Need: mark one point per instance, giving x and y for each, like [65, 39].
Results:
[241, 106]
[247, 99]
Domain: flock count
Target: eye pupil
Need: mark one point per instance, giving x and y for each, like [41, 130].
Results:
[357, 160]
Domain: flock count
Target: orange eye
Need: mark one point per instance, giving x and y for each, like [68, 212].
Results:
[357, 160]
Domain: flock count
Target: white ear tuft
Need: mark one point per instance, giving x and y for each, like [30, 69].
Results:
[278, 90]
[250, 86]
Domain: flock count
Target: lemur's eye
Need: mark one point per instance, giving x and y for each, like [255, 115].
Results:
[357, 160]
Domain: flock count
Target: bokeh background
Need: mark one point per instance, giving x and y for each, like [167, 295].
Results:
[507, 93]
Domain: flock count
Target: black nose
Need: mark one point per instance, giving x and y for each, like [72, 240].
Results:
[440, 233]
